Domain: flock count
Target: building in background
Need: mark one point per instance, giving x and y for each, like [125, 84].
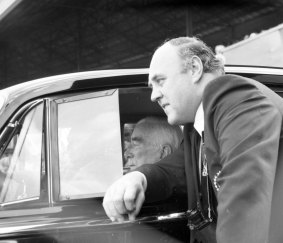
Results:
[263, 49]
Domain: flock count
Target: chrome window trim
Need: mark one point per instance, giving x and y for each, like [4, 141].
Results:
[19, 201]
[19, 114]
[12, 123]
[253, 70]
[55, 103]
[48, 151]
[39, 227]
[90, 95]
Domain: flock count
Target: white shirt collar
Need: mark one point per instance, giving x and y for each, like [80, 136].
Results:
[199, 120]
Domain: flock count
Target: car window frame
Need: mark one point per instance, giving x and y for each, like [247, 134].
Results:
[53, 153]
[5, 138]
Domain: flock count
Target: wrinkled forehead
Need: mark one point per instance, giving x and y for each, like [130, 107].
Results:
[140, 130]
[143, 132]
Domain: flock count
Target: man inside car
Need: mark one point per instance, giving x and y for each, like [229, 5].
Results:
[152, 140]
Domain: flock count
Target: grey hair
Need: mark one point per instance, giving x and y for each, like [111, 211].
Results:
[192, 46]
[164, 132]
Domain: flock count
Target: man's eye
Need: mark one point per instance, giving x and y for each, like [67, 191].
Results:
[160, 81]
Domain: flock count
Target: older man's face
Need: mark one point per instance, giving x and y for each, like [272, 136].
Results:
[172, 88]
[142, 149]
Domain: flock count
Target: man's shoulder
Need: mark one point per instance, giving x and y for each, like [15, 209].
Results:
[227, 87]
[227, 81]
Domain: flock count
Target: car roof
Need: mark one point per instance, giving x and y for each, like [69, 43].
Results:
[14, 96]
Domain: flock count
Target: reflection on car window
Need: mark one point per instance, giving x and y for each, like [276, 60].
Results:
[128, 130]
[90, 156]
[20, 164]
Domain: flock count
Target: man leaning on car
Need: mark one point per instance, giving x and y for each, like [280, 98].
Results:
[239, 122]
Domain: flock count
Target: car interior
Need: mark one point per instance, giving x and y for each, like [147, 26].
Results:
[135, 104]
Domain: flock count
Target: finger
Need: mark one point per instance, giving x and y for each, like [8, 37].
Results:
[139, 202]
[122, 218]
[118, 201]
[110, 208]
[130, 198]
[111, 212]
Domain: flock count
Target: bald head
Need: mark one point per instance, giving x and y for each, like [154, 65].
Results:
[160, 132]
[152, 139]
[187, 47]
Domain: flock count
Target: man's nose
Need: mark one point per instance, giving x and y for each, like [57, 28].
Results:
[128, 154]
[155, 94]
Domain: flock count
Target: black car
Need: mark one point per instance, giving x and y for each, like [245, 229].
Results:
[61, 146]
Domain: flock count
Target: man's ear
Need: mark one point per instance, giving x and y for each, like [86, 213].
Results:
[197, 69]
[166, 150]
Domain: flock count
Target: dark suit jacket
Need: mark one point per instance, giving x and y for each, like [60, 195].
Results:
[244, 150]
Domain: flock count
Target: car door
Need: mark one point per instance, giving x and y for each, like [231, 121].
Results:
[65, 150]
[23, 196]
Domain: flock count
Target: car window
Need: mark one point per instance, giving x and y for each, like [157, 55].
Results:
[89, 144]
[20, 163]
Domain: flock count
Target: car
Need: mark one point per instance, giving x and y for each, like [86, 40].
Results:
[61, 145]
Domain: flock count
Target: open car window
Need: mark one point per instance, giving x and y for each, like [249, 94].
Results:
[89, 144]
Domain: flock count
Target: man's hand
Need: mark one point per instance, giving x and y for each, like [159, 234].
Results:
[124, 198]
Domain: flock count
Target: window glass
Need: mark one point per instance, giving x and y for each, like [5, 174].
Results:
[90, 154]
[20, 164]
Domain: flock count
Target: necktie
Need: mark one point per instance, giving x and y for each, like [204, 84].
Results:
[191, 150]
[198, 184]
